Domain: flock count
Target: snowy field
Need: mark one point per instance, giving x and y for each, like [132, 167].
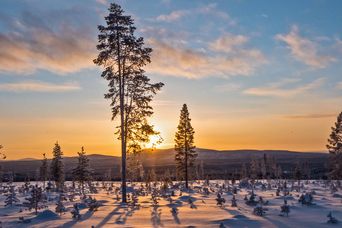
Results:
[157, 207]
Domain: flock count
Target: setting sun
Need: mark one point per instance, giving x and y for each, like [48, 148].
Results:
[156, 141]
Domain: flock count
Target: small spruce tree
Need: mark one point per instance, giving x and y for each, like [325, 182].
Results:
[82, 173]
[43, 170]
[335, 149]
[57, 167]
[11, 197]
[34, 201]
[60, 208]
[298, 174]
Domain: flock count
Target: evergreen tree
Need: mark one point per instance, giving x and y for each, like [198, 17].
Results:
[244, 172]
[184, 144]
[255, 169]
[134, 165]
[263, 167]
[34, 201]
[11, 197]
[123, 57]
[279, 172]
[57, 167]
[202, 170]
[43, 170]
[335, 149]
[60, 208]
[272, 164]
[2, 156]
[82, 173]
[298, 174]
[151, 176]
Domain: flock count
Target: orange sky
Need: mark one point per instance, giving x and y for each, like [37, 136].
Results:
[254, 75]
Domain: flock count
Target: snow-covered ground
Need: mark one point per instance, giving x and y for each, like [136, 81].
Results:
[201, 211]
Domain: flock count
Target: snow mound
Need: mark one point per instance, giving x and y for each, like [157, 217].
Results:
[186, 198]
[286, 197]
[46, 215]
[239, 217]
[336, 195]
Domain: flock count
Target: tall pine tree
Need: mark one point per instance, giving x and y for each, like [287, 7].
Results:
[82, 173]
[184, 145]
[123, 56]
[335, 149]
[57, 167]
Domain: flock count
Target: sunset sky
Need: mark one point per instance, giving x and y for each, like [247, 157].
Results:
[254, 74]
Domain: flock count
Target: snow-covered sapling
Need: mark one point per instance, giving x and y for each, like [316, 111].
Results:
[306, 199]
[34, 201]
[11, 197]
[92, 204]
[60, 209]
[285, 209]
[332, 219]
[234, 190]
[234, 204]
[251, 201]
[259, 210]
[220, 200]
[76, 212]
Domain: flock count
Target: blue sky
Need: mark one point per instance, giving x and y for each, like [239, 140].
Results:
[255, 74]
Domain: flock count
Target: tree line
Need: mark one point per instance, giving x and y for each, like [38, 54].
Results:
[123, 56]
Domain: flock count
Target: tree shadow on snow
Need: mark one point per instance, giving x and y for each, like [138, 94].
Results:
[156, 216]
[84, 217]
[238, 220]
[121, 219]
[129, 211]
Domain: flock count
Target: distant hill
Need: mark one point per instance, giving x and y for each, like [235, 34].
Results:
[216, 163]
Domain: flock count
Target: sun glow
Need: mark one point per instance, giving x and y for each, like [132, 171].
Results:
[155, 141]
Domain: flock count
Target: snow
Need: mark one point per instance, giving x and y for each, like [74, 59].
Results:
[204, 212]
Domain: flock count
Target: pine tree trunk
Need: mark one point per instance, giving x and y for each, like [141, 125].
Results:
[186, 156]
[123, 141]
[186, 170]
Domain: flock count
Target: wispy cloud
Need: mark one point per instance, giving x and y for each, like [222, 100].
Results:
[310, 116]
[228, 43]
[304, 50]
[228, 87]
[339, 85]
[38, 86]
[210, 9]
[180, 61]
[280, 90]
[36, 43]
[102, 2]
[173, 16]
